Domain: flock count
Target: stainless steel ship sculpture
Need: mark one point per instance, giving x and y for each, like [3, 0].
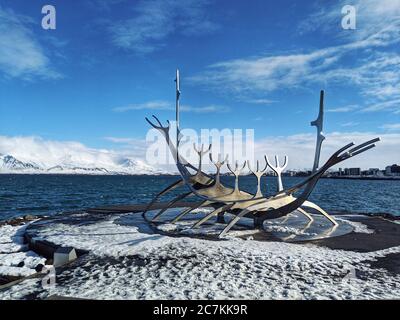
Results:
[225, 199]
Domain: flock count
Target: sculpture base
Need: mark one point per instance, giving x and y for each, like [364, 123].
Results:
[293, 227]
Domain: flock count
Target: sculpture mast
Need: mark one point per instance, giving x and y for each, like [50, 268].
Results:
[178, 93]
[319, 123]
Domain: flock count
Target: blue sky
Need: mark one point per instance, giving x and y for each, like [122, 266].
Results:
[244, 65]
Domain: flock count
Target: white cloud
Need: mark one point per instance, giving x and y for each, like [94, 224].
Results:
[206, 109]
[123, 140]
[350, 124]
[168, 106]
[261, 101]
[300, 149]
[372, 17]
[393, 105]
[21, 55]
[50, 153]
[343, 109]
[133, 146]
[391, 126]
[150, 105]
[377, 76]
[264, 74]
[375, 73]
[155, 20]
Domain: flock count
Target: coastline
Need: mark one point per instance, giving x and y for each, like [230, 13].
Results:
[363, 178]
[162, 174]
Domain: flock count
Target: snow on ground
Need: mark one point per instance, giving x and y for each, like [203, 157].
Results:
[128, 261]
[12, 247]
[11, 233]
[11, 239]
[16, 271]
[15, 257]
[29, 259]
[292, 230]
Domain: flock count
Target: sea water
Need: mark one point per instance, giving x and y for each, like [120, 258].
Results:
[50, 194]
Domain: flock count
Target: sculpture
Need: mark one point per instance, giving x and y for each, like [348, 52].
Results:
[224, 199]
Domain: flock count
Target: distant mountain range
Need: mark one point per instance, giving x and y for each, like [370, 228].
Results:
[121, 166]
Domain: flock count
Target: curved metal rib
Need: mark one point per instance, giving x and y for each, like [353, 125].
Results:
[306, 214]
[170, 204]
[212, 214]
[166, 190]
[190, 209]
[310, 204]
[233, 222]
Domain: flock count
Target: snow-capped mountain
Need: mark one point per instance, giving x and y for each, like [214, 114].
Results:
[10, 164]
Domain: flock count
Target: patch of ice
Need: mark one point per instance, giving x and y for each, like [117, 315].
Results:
[393, 221]
[359, 227]
[167, 227]
[288, 230]
[202, 210]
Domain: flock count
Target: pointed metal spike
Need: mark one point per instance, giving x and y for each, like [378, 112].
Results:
[362, 150]
[364, 144]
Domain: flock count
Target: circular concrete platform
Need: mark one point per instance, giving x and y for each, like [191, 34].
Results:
[355, 232]
[122, 256]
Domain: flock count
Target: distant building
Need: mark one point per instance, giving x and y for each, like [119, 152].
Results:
[374, 172]
[352, 171]
[290, 173]
[393, 170]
